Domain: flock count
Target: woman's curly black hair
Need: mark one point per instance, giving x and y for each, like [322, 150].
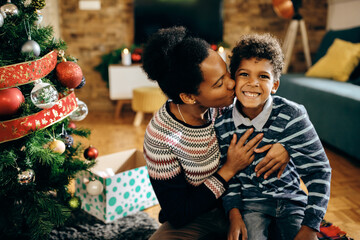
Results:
[172, 58]
[261, 46]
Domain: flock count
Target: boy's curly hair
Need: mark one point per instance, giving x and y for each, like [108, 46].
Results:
[261, 46]
[172, 58]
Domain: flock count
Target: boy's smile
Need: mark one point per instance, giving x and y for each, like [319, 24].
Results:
[254, 84]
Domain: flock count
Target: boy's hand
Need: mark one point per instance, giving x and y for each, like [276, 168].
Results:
[276, 158]
[306, 233]
[237, 226]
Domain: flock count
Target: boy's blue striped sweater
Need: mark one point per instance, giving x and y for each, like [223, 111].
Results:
[289, 125]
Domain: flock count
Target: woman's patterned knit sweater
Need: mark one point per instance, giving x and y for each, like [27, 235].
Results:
[182, 161]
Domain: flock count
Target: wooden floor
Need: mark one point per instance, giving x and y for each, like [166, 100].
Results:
[111, 135]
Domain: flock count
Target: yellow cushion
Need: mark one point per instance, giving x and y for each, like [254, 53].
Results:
[338, 63]
[147, 99]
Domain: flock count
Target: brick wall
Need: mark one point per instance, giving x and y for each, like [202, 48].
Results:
[90, 34]
[245, 16]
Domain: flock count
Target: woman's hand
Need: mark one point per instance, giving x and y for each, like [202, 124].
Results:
[239, 155]
[276, 158]
[237, 226]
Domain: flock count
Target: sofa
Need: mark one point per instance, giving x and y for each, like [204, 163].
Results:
[332, 105]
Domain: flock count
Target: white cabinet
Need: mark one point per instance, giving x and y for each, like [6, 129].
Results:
[123, 79]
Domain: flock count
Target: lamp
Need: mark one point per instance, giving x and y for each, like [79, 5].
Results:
[289, 9]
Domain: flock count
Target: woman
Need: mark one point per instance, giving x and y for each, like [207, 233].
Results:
[180, 145]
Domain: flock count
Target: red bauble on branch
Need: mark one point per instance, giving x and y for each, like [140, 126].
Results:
[10, 101]
[91, 153]
[72, 125]
[69, 74]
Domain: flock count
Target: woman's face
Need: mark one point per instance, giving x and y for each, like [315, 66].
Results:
[217, 89]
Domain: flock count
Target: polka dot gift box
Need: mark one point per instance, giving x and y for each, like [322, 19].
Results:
[125, 183]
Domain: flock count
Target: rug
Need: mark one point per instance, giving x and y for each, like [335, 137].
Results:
[328, 231]
[140, 226]
[82, 225]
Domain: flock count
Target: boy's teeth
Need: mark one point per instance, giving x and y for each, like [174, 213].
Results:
[250, 94]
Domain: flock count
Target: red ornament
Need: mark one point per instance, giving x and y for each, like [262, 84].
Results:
[135, 57]
[284, 8]
[10, 101]
[214, 47]
[69, 74]
[72, 125]
[91, 153]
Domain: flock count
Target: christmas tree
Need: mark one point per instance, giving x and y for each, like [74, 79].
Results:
[38, 156]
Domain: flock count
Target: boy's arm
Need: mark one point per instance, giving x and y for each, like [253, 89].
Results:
[304, 146]
[237, 226]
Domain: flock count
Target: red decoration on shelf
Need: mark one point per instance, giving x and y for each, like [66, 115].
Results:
[10, 101]
[23, 73]
[91, 153]
[214, 47]
[20, 127]
[136, 56]
[69, 74]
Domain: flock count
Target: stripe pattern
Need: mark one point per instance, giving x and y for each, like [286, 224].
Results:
[171, 148]
[289, 125]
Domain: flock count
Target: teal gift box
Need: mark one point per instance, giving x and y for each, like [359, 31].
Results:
[126, 191]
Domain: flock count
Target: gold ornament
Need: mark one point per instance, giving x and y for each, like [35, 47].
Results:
[38, 4]
[57, 146]
[75, 203]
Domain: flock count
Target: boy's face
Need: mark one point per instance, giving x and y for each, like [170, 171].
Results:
[254, 83]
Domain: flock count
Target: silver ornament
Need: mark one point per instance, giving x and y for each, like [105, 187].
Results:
[39, 18]
[44, 95]
[2, 13]
[27, 3]
[81, 112]
[10, 9]
[26, 177]
[31, 46]
[1, 20]
[94, 187]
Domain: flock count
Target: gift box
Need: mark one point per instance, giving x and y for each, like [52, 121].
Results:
[125, 191]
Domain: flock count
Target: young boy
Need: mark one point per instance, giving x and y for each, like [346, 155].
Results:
[256, 65]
